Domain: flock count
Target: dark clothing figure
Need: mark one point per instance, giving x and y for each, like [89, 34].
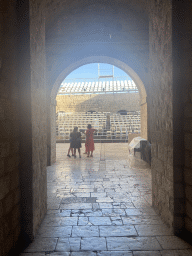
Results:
[75, 140]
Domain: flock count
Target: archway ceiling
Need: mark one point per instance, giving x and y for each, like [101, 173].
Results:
[57, 9]
[95, 22]
[79, 29]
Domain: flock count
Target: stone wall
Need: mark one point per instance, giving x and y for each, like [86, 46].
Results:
[23, 128]
[187, 71]
[39, 111]
[99, 103]
[182, 27]
[188, 154]
[9, 129]
[160, 104]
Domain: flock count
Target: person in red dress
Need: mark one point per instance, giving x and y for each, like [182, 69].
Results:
[89, 143]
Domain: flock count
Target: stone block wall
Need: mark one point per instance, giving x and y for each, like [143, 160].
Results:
[182, 26]
[38, 111]
[160, 105]
[99, 103]
[9, 129]
[187, 63]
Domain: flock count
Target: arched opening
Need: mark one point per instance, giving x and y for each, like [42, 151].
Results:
[98, 59]
[132, 47]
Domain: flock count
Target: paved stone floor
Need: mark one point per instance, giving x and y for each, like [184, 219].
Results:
[100, 207]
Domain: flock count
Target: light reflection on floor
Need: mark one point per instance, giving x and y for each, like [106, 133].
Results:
[99, 207]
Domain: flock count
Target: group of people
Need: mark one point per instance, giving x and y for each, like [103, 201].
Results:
[75, 142]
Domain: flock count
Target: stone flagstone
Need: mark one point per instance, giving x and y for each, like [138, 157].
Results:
[102, 208]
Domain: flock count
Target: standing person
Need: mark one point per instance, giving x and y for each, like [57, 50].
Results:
[76, 141]
[89, 143]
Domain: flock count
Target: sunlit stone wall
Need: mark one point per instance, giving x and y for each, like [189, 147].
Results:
[99, 103]
[39, 111]
[160, 105]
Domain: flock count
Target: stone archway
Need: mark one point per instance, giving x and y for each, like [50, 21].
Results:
[97, 59]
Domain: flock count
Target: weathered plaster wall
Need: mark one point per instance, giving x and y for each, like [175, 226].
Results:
[9, 129]
[160, 104]
[39, 111]
[99, 103]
